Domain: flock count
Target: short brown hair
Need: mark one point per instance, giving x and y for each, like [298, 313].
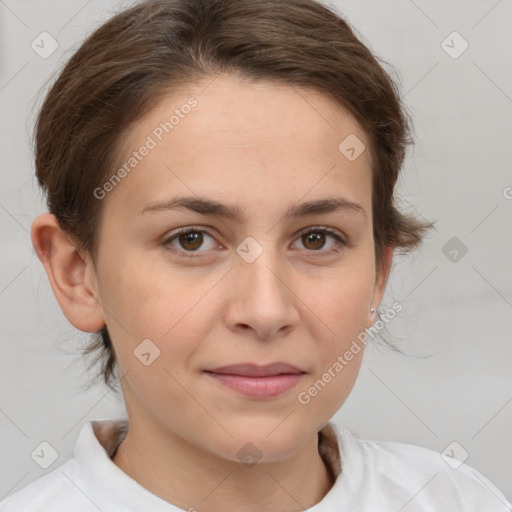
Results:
[155, 47]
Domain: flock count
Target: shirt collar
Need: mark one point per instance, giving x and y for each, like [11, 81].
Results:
[109, 486]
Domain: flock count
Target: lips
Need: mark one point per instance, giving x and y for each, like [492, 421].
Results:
[252, 370]
[258, 382]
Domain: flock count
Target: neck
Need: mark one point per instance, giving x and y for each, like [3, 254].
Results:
[189, 477]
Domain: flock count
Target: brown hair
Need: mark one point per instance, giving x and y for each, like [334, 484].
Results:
[155, 47]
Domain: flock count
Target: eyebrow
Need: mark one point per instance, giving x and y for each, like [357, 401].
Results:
[205, 206]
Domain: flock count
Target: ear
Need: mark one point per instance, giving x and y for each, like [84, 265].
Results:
[382, 278]
[72, 275]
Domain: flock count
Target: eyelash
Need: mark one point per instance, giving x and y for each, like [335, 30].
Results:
[190, 254]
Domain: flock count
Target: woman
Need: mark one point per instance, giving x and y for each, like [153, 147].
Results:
[220, 182]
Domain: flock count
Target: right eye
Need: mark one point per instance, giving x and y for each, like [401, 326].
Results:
[187, 240]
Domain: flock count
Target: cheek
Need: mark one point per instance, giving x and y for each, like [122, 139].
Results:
[342, 301]
[342, 309]
[145, 302]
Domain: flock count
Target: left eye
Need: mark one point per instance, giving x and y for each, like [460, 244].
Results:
[191, 239]
[315, 238]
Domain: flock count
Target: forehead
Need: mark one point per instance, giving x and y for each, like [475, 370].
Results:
[231, 136]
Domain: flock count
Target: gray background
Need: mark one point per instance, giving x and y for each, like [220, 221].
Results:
[457, 315]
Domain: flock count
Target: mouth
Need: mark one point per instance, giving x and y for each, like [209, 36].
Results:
[255, 381]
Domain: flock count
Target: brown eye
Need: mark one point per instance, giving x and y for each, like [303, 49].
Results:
[316, 239]
[193, 241]
[313, 241]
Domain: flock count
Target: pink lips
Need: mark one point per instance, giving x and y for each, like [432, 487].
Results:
[258, 381]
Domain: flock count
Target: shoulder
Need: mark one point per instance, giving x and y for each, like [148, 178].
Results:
[56, 491]
[87, 482]
[404, 473]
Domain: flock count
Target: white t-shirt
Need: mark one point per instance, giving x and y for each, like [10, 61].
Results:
[371, 476]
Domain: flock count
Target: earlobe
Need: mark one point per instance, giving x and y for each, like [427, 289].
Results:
[66, 268]
[382, 278]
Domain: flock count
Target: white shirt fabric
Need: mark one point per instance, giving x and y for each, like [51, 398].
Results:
[375, 476]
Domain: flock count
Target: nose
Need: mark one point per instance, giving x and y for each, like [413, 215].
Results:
[261, 299]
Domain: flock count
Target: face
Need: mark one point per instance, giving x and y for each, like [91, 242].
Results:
[255, 286]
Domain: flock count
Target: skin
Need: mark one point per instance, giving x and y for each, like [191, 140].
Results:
[263, 147]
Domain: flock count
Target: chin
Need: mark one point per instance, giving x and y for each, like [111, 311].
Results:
[265, 440]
